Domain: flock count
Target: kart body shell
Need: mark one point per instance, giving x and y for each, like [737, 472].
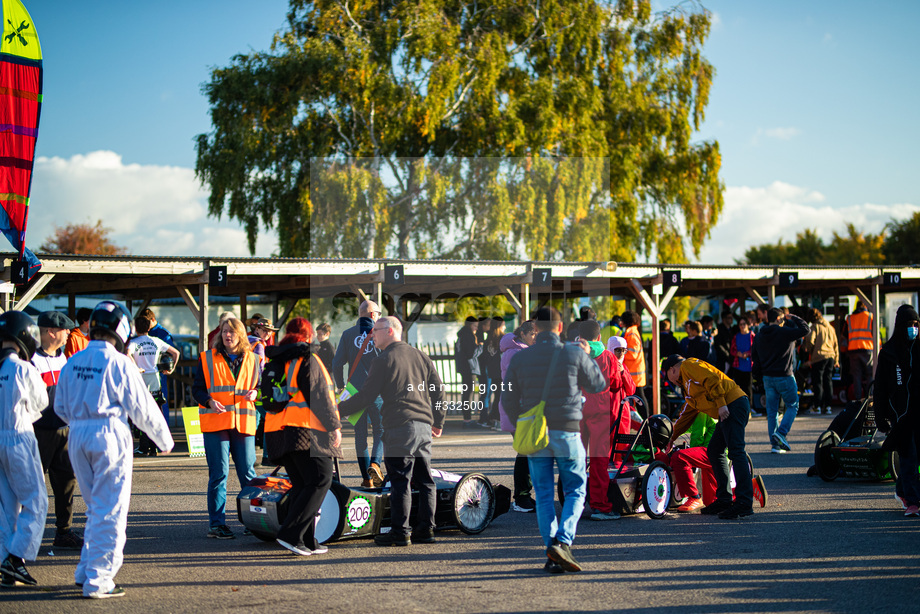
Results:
[468, 502]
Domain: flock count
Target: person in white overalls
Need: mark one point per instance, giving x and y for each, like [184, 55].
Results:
[99, 389]
[23, 497]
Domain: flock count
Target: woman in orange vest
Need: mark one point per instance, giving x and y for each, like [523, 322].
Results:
[304, 436]
[226, 380]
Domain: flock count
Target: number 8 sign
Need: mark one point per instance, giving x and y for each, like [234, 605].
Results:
[670, 279]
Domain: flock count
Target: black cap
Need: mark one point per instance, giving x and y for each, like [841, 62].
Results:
[55, 319]
[670, 361]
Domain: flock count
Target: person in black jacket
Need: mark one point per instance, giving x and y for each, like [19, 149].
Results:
[895, 414]
[306, 451]
[574, 372]
[774, 361]
[467, 361]
[413, 412]
[356, 345]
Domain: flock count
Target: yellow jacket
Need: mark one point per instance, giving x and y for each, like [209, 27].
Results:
[705, 389]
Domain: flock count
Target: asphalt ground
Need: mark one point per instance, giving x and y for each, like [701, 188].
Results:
[817, 547]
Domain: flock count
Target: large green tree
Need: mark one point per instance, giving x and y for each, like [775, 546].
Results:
[371, 126]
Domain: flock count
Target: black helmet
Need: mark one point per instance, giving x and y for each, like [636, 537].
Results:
[110, 317]
[166, 362]
[19, 327]
[660, 427]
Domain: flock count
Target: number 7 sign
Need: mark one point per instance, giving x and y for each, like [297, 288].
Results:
[542, 277]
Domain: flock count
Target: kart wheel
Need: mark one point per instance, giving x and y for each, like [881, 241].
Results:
[895, 461]
[656, 489]
[330, 520]
[825, 464]
[474, 503]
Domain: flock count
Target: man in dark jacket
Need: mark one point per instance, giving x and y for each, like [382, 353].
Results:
[51, 432]
[357, 344]
[413, 412]
[774, 361]
[530, 371]
[466, 359]
[894, 414]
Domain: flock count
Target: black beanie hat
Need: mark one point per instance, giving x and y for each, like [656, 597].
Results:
[906, 314]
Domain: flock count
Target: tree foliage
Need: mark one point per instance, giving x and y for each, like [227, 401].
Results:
[380, 121]
[897, 244]
[902, 245]
[82, 239]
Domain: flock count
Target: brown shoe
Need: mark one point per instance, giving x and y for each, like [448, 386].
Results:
[690, 506]
[375, 475]
[368, 483]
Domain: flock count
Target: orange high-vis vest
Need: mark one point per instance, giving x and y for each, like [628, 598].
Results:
[76, 341]
[634, 360]
[240, 412]
[859, 326]
[297, 411]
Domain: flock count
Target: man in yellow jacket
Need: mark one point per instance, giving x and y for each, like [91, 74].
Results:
[707, 390]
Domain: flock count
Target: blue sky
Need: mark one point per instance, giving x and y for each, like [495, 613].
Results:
[814, 104]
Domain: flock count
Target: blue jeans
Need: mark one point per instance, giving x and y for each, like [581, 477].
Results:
[218, 447]
[372, 414]
[785, 387]
[569, 454]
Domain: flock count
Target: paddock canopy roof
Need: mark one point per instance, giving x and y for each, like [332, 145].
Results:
[525, 284]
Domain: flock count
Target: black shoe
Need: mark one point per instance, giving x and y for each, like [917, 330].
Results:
[423, 536]
[68, 540]
[552, 566]
[716, 507]
[391, 539]
[562, 554]
[737, 511]
[14, 567]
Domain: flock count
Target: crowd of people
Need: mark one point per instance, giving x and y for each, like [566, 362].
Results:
[73, 390]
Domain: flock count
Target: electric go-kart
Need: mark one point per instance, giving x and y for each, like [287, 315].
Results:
[639, 482]
[853, 448]
[468, 502]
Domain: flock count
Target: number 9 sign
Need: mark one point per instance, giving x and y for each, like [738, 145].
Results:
[788, 279]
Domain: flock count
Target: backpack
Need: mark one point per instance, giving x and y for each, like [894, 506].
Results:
[274, 388]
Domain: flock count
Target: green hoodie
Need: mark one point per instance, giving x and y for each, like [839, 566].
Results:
[597, 348]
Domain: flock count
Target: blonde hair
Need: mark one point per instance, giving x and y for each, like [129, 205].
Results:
[242, 345]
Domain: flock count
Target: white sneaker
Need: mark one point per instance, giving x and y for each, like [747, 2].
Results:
[829, 411]
[298, 549]
[321, 550]
[777, 451]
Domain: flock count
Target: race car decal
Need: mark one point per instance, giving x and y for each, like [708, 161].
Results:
[358, 512]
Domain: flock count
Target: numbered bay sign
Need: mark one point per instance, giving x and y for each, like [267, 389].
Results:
[892, 279]
[670, 279]
[393, 275]
[542, 277]
[19, 272]
[217, 276]
[789, 279]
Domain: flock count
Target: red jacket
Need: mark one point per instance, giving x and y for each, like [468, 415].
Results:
[619, 386]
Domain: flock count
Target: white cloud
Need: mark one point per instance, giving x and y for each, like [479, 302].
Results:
[755, 216]
[779, 134]
[152, 210]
